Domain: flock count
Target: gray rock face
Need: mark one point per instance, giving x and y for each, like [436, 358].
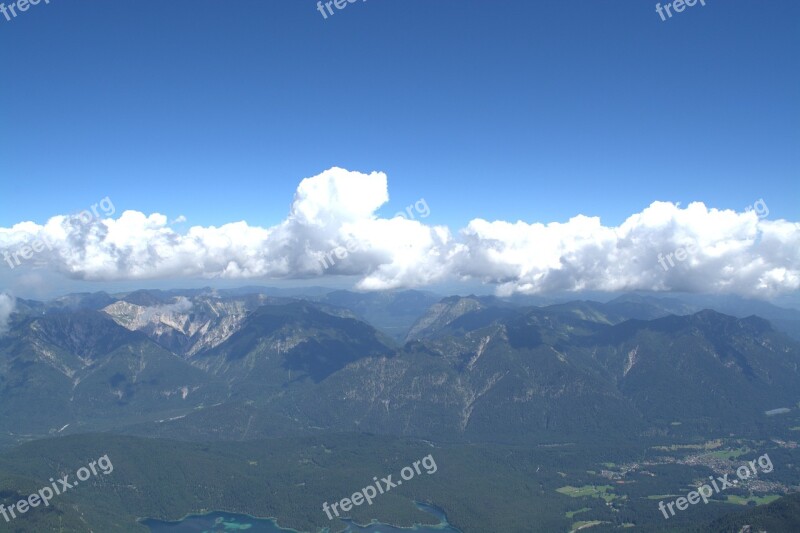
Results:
[187, 326]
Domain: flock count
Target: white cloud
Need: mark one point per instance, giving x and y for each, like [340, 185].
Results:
[7, 305]
[735, 252]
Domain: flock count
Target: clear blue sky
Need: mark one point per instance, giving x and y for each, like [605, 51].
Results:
[514, 109]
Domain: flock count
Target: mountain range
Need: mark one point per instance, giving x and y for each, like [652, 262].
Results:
[155, 362]
[614, 378]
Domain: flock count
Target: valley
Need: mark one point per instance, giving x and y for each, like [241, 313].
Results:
[563, 417]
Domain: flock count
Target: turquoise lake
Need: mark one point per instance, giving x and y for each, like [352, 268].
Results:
[218, 522]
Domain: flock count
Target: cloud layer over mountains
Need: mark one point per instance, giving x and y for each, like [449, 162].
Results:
[731, 252]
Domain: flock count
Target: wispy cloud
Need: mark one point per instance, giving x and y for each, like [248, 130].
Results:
[181, 305]
[7, 305]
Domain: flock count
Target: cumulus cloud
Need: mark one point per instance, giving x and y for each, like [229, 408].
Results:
[7, 305]
[722, 251]
[731, 252]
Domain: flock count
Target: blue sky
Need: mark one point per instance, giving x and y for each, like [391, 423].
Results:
[505, 111]
[509, 110]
